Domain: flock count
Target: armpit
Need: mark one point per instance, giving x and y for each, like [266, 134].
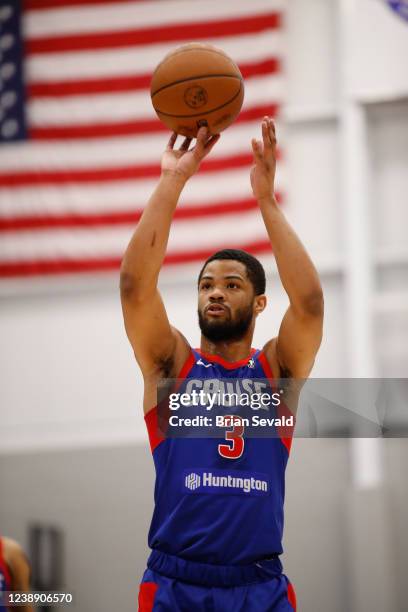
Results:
[285, 372]
[166, 367]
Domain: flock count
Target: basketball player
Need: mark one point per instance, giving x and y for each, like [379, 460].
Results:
[215, 544]
[14, 571]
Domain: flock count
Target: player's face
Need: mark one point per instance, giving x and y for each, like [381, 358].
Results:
[225, 301]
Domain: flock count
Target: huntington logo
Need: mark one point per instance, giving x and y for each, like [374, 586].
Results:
[221, 481]
[192, 481]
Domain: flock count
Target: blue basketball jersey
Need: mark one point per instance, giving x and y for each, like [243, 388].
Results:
[218, 500]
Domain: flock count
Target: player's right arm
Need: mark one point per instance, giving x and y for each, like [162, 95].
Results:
[157, 345]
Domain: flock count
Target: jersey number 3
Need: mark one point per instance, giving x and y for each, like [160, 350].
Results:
[235, 448]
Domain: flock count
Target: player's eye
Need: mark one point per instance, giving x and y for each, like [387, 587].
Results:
[205, 286]
[233, 286]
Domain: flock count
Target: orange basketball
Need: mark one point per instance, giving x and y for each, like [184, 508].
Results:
[197, 84]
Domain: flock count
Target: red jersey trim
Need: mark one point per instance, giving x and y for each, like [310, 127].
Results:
[265, 365]
[228, 365]
[152, 424]
[285, 433]
[147, 594]
[4, 568]
[292, 596]
[152, 419]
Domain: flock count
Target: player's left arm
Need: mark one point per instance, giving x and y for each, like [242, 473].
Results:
[19, 567]
[300, 333]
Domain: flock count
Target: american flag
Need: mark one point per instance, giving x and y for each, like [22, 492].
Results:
[81, 144]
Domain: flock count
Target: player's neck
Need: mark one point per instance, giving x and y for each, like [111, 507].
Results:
[230, 351]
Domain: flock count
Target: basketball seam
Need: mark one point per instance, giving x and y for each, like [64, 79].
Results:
[194, 78]
[203, 112]
[187, 50]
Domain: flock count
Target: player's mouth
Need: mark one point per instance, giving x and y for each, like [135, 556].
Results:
[215, 310]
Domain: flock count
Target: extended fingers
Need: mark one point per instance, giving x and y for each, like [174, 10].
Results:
[268, 133]
[257, 149]
[211, 142]
[202, 137]
[186, 143]
[171, 142]
[205, 142]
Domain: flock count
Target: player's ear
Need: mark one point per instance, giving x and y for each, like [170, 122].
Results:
[259, 304]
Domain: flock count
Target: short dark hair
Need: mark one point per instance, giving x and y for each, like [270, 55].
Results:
[254, 268]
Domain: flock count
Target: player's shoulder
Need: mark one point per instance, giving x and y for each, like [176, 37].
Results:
[181, 354]
[8, 544]
[169, 365]
[269, 351]
[12, 550]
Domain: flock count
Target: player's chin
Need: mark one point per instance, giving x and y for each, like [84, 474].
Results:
[216, 324]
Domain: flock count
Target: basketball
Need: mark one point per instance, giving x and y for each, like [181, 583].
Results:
[197, 84]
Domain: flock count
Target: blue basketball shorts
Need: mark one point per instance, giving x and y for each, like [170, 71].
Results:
[171, 584]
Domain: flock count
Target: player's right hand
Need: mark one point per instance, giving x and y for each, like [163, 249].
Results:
[182, 163]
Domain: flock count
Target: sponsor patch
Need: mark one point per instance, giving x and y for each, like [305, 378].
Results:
[224, 482]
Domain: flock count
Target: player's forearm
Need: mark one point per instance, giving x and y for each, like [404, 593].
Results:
[147, 248]
[296, 270]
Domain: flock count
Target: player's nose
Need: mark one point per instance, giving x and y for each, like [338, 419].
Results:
[216, 294]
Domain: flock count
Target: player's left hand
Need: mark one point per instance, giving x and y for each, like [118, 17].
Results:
[263, 170]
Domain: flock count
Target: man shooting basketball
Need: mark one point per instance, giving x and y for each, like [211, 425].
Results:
[217, 547]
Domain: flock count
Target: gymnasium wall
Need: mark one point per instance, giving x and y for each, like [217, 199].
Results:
[102, 499]
[73, 448]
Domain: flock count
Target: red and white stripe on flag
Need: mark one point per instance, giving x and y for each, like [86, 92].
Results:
[72, 192]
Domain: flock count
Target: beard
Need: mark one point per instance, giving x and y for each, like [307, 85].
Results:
[222, 331]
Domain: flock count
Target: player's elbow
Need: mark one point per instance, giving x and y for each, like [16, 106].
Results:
[127, 284]
[133, 288]
[310, 305]
[313, 304]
